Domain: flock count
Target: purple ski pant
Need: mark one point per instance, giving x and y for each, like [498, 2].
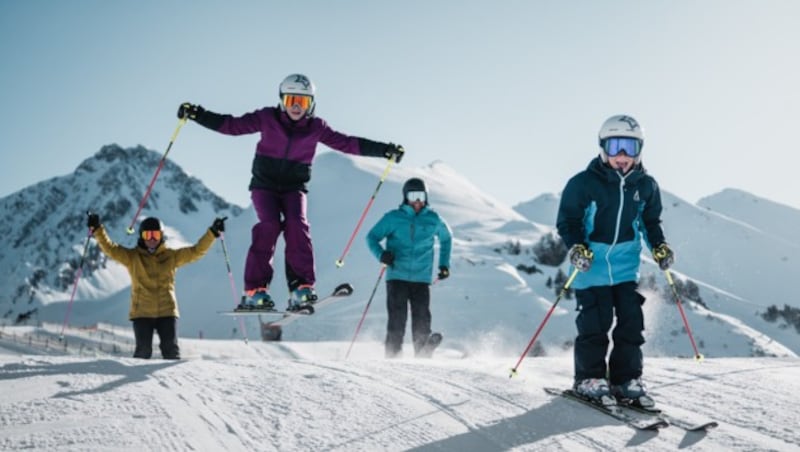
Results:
[279, 212]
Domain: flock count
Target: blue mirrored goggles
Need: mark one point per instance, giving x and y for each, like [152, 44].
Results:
[420, 196]
[622, 145]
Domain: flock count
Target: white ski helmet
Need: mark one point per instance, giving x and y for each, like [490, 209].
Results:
[620, 126]
[298, 84]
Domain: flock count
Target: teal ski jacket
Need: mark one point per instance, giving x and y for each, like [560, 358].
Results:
[410, 236]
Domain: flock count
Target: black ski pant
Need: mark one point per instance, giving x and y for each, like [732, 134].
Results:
[597, 307]
[399, 296]
[167, 328]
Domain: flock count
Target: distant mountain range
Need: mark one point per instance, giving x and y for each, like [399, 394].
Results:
[734, 258]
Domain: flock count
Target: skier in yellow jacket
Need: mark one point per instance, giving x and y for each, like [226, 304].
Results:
[152, 267]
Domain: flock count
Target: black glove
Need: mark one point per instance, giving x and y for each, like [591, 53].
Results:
[394, 150]
[191, 111]
[218, 226]
[581, 257]
[663, 256]
[92, 221]
[444, 272]
[387, 258]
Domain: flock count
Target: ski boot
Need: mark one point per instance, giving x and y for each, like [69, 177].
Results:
[305, 294]
[595, 390]
[302, 299]
[256, 300]
[430, 344]
[633, 392]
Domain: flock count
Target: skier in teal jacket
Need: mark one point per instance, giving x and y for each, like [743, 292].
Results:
[410, 232]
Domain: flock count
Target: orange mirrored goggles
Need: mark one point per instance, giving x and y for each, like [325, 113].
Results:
[151, 235]
[304, 102]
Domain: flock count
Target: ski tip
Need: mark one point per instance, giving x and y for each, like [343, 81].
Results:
[343, 289]
[653, 426]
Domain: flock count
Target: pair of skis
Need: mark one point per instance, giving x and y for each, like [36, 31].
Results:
[654, 419]
[342, 290]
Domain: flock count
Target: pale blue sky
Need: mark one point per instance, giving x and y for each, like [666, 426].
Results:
[509, 93]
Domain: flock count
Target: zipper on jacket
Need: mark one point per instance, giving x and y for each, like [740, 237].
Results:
[616, 226]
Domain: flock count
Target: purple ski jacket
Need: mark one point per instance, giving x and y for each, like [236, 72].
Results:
[286, 148]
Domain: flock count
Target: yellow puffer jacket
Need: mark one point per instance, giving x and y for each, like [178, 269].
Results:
[153, 275]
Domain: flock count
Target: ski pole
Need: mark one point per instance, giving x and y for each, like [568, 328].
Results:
[230, 278]
[697, 355]
[340, 261]
[358, 328]
[539, 330]
[75, 287]
[181, 122]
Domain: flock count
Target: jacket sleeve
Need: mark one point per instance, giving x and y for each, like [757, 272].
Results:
[376, 235]
[371, 148]
[651, 218]
[190, 254]
[238, 125]
[112, 249]
[445, 235]
[210, 120]
[571, 211]
[351, 145]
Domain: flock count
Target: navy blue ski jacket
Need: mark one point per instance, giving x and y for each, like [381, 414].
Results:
[611, 214]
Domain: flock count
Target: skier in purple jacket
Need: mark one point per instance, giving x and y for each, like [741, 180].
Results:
[281, 170]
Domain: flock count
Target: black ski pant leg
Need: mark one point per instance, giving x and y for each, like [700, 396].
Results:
[420, 315]
[167, 328]
[143, 333]
[595, 315]
[397, 295]
[626, 361]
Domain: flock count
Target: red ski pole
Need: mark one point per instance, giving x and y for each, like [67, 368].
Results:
[230, 278]
[75, 287]
[358, 328]
[340, 261]
[541, 326]
[181, 122]
[697, 355]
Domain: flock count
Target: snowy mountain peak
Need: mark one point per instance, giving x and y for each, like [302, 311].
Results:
[46, 223]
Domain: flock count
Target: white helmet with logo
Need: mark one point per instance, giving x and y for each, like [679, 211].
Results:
[620, 126]
[298, 84]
